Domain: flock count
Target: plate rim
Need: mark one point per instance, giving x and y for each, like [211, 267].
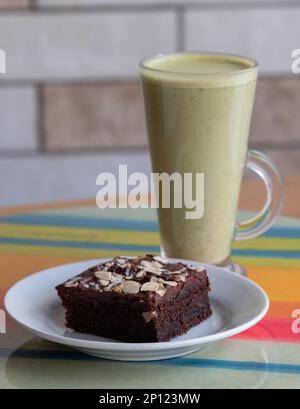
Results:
[149, 346]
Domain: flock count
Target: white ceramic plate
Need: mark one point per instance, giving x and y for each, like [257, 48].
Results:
[237, 304]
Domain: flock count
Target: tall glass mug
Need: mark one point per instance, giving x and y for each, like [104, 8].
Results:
[198, 110]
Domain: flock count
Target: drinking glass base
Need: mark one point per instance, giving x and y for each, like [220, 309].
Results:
[236, 268]
[227, 264]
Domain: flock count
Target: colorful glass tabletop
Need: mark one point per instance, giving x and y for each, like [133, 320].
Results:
[266, 356]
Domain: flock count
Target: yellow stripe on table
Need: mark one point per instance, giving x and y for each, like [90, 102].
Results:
[94, 235]
[78, 253]
[78, 234]
[284, 263]
[268, 243]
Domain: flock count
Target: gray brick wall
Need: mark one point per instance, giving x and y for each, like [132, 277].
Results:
[14, 4]
[71, 96]
[18, 118]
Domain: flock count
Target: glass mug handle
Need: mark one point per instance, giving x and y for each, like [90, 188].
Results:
[264, 167]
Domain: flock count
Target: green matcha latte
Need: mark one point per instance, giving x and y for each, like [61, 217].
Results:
[198, 109]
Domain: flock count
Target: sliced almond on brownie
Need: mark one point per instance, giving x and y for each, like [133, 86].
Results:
[131, 287]
[103, 275]
[150, 286]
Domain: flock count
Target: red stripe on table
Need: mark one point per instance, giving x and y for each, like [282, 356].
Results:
[275, 330]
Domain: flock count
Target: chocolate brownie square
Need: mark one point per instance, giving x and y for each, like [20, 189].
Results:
[142, 299]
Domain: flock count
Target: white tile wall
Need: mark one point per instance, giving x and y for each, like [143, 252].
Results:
[269, 36]
[18, 118]
[36, 179]
[85, 46]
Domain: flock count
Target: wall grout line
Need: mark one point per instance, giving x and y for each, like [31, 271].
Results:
[230, 5]
[286, 147]
[54, 10]
[14, 154]
[276, 146]
[33, 5]
[215, 6]
[13, 82]
[40, 129]
[180, 29]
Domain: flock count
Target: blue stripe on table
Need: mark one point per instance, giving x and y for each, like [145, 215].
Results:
[83, 222]
[78, 244]
[118, 224]
[288, 254]
[69, 355]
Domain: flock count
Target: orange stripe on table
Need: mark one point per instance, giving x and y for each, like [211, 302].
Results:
[14, 268]
[281, 284]
[6, 211]
[282, 309]
[272, 329]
